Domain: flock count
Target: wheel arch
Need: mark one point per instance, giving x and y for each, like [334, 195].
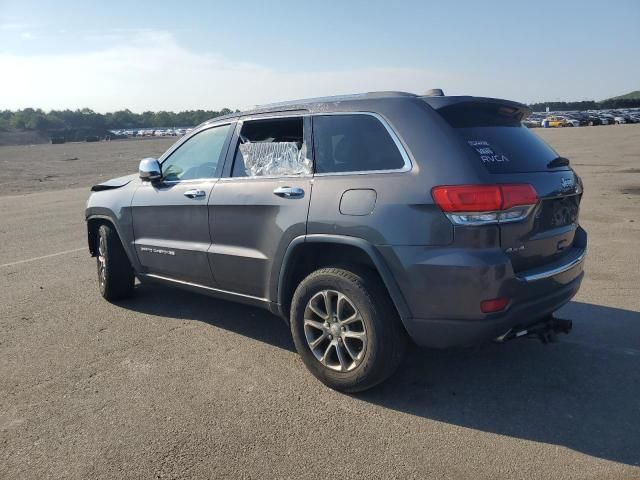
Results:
[349, 250]
[94, 221]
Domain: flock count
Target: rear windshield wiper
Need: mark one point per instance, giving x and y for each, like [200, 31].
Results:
[558, 162]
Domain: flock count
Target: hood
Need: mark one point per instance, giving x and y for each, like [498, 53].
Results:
[113, 183]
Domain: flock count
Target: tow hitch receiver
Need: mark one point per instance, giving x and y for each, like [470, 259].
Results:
[546, 330]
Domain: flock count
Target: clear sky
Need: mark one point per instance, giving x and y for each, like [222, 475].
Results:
[173, 55]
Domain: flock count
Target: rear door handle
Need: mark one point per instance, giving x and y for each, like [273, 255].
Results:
[289, 192]
[194, 193]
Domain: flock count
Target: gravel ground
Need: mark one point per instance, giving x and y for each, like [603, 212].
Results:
[173, 385]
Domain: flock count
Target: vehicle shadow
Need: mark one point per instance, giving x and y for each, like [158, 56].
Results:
[253, 322]
[582, 392]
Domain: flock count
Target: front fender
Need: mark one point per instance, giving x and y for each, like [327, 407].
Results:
[113, 206]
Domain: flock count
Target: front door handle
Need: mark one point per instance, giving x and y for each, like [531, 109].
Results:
[194, 193]
[289, 192]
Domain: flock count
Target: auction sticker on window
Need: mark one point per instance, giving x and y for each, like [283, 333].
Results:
[487, 152]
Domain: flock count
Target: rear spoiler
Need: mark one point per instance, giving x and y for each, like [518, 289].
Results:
[441, 103]
[478, 111]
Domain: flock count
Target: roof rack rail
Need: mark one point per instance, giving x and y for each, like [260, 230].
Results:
[337, 98]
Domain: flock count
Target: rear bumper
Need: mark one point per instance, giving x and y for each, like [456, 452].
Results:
[444, 287]
[443, 333]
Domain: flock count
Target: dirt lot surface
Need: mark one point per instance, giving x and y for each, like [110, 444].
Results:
[39, 168]
[172, 385]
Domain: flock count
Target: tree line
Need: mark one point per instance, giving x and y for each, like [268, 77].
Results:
[60, 120]
[611, 103]
[86, 119]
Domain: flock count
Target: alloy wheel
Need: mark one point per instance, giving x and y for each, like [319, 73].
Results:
[102, 270]
[335, 331]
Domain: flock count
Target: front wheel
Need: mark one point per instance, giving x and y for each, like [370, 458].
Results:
[115, 275]
[346, 329]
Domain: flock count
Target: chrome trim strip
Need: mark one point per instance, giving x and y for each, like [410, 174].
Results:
[555, 271]
[210, 180]
[306, 176]
[197, 285]
[273, 115]
[454, 216]
[408, 165]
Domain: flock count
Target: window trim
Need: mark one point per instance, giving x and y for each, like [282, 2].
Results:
[408, 165]
[251, 118]
[176, 146]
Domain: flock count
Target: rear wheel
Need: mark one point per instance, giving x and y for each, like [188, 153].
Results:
[345, 328]
[115, 275]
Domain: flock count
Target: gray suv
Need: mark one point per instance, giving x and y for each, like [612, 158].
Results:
[365, 221]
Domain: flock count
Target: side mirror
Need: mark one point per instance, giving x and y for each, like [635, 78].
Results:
[150, 170]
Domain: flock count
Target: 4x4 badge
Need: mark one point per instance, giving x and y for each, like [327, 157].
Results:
[566, 182]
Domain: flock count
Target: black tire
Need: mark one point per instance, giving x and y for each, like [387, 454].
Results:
[386, 339]
[115, 275]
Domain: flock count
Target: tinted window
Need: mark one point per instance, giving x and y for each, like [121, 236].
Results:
[353, 143]
[496, 135]
[198, 157]
[273, 147]
[509, 150]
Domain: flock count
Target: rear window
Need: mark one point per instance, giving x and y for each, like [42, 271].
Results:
[498, 139]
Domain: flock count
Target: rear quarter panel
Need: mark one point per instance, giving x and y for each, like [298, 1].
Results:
[404, 212]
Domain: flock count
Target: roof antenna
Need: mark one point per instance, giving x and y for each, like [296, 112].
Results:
[434, 92]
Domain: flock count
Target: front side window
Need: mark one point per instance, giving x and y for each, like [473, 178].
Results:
[272, 147]
[198, 157]
[353, 143]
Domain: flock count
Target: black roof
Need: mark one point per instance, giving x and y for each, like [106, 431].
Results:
[306, 104]
[320, 103]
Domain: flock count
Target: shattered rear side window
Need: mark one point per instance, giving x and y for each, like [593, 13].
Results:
[274, 159]
[273, 147]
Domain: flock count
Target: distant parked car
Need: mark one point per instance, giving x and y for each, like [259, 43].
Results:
[580, 117]
[609, 118]
[560, 121]
[571, 121]
[531, 122]
[600, 117]
[593, 120]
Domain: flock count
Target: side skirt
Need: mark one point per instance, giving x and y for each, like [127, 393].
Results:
[210, 291]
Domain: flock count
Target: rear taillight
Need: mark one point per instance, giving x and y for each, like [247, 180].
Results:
[485, 204]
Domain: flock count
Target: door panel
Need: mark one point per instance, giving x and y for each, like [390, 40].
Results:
[172, 230]
[251, 227]
[171, 217]
[260, 206]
